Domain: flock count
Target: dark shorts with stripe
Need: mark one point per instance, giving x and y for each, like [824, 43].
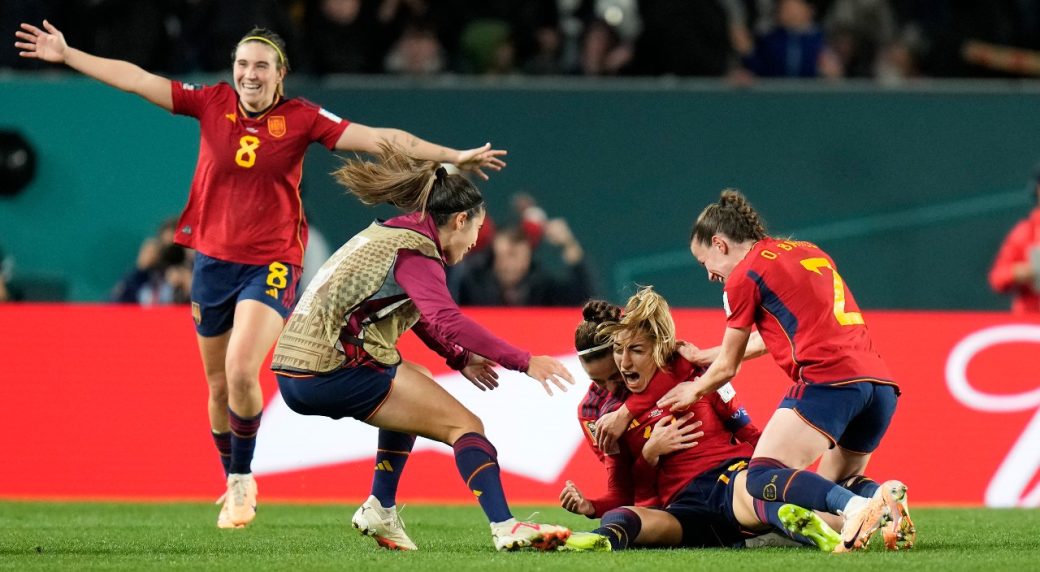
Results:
[218, 286]
[356, 392]
[704, 509]
[854, 416]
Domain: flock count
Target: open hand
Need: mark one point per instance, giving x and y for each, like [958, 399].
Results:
[546, 370]
[480, 371]
[47, 44]
[474, 160]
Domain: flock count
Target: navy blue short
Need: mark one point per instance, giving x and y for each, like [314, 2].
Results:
[356, 392]
[853, 416]
[704, 508]
[217, 286]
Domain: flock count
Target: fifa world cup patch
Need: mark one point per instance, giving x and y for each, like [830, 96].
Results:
[276, 125]
[590, 426]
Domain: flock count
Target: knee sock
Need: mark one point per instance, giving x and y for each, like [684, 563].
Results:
[243, 441]
[768, 512]
[860, 485]
[477, 461]
[223, 443]
[771, 480]
[391, 455]
[621, 526]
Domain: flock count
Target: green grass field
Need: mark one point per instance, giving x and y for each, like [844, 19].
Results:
[306, 537]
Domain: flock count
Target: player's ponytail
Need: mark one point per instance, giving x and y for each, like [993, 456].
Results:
[590, 343]
[732, 216]
[410, 184]
[647, 312]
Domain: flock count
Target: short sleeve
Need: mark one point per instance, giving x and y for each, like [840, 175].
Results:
[327, 128]
[740, 298]
[190, 98]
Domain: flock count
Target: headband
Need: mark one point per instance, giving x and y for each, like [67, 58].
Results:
[595, 349]
[281, 56]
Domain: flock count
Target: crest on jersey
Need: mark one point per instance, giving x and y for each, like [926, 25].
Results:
[276, 125]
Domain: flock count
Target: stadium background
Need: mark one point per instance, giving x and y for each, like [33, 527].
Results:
[911, 189]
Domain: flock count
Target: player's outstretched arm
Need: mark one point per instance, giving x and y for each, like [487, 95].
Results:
[48, 44]
[359, 137]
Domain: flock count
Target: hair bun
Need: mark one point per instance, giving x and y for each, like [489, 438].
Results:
[600, 311]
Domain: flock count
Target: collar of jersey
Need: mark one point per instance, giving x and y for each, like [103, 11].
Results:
[245, 114]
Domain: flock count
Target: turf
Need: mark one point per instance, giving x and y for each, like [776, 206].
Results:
[309, 537]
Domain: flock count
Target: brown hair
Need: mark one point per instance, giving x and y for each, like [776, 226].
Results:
[410, 184]
[647, 312]
[270, 39]
[594, 314]
[732, 216]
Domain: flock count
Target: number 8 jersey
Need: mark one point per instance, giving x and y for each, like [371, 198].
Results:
[245, 204]
[808, 319]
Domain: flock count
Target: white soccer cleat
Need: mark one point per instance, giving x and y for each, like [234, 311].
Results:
[516, 535]
[900, 532]
[861, 522]
[240, 500]
[382, 524]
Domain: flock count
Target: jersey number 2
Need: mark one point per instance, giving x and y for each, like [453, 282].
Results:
[844, 318]
[246, 155]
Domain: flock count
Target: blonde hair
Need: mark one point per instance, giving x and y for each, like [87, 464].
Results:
[647, 313]
[732, 216]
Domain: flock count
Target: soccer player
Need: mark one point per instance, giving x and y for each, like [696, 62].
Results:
[337, 356]
[843, 396]
[701, 489]
[244, 217]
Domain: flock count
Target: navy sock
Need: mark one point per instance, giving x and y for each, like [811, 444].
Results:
[621, 526]
[223, 443]
[769, 512]
[861, 485]
[243, 441]
[391, 455]
[477, 461]
[770, 480]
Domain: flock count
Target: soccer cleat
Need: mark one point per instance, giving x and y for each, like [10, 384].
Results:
[899, 533]
[240, 501]
[586, 542]
[861, 523]
[516, 534]
[804, 522]
[382, 524]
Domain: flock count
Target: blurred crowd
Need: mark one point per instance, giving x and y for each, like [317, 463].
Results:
[739, 39]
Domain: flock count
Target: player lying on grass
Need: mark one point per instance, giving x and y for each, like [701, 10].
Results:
[697, 477]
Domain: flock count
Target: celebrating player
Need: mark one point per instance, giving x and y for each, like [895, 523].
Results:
[697, 477]
[843, 395]
[244, 217]
[337, 356]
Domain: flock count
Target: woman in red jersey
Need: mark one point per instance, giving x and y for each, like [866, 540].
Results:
[244, 216]
[701, 489]
[843, 396]
[338, 357]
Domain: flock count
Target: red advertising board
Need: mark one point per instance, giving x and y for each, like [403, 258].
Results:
[109, 402]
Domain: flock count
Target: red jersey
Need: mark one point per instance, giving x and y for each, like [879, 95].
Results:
[245, 204]
[596, 403]
[805, 313]
[728, 434]
[1016, 249]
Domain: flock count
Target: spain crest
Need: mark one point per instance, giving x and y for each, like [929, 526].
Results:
[276, 125]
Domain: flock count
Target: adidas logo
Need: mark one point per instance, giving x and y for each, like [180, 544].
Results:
[384, 466]
[272, 292]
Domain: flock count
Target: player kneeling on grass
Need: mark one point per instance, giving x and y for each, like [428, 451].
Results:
[337, 355]
[698, 477]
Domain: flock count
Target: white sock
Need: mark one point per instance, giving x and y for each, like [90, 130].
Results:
[854, 504]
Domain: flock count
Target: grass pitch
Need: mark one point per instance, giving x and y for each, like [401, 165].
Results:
[35, 535]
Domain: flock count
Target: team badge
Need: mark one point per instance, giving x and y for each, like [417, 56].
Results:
[591, 427]
[276, 125]
[196, 313]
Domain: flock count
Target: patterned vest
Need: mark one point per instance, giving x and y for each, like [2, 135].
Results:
[360, 271]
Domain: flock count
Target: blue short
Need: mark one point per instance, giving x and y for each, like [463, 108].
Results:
[704, 508]
[218, 286]
[854, 416]
[356, 392]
